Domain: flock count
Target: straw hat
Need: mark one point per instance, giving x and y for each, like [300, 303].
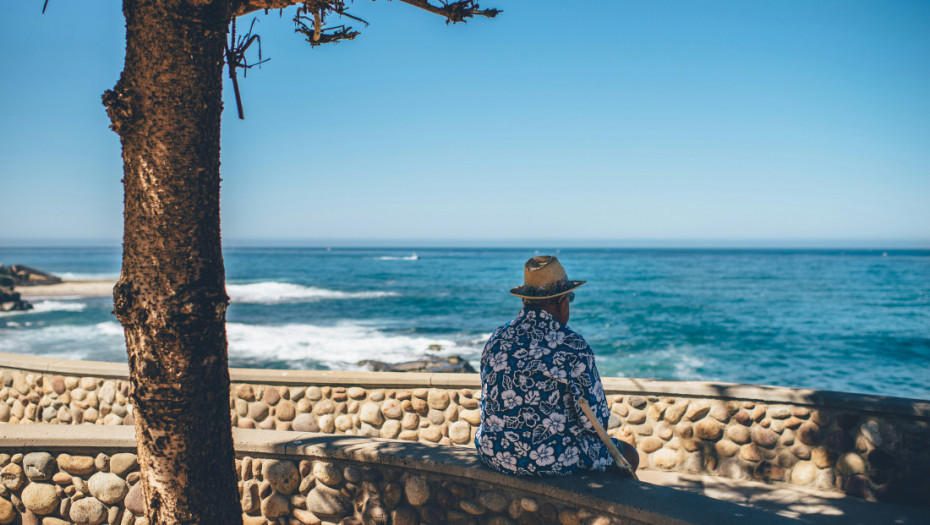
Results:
[544, 278]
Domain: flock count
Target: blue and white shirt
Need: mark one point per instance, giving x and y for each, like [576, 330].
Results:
[532, 370]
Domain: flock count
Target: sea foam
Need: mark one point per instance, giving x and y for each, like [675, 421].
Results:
[280, 293]
[49, 306]
[339, 347]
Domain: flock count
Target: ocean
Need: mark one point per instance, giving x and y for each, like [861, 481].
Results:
[854, 321]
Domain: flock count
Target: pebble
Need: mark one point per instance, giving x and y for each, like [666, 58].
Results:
[134, 500]
[123, 463]
[88, 511]
[282, 475]
[803, 473]
[285, 410]
[275, 506]
[460, 432]
[7, 511]
[417, 490]
[763, 437]
[39, 466]
[371, 413]
[327, 473]
[708, 429]
[327, 423]
[12, 476]
[809, 433]
[390, 429]
[726, 448]
[40, 498]
[326, 501]
[665, 458]
[258, 410]
[306, 423]
[107, 487]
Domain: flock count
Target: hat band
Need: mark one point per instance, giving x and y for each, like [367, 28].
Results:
[545, 290]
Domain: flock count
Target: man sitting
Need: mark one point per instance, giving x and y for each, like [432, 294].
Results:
[532, 371]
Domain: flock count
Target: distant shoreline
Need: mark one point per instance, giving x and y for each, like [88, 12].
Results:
[68, 289]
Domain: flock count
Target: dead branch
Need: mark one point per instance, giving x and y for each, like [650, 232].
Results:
[236, 59]
[453, 12]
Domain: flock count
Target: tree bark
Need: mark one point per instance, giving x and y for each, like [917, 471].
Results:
[171, 297]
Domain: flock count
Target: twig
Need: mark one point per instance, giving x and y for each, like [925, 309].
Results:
[235, 58]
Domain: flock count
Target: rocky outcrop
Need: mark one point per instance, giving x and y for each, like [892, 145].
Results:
[25, 276]
[431, 364]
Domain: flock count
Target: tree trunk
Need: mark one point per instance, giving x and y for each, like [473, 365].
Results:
[171, 297]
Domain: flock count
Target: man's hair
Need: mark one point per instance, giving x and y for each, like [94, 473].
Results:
[541, 303]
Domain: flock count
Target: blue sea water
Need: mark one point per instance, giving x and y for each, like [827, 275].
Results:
[856, 321]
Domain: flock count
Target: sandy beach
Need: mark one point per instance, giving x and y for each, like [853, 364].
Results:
[68, 289]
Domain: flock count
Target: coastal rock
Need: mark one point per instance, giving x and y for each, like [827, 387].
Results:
[107, 487]
[39, 466]
[40, 498]
[431, 364]
[88, 511]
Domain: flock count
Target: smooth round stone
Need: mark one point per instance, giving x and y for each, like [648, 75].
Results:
[258, 410]
[107, 487]
[123, 463]
[371, 413]
[636, 417]
[63, 414]
[88, 511]
[809, 433]
[88, 383]
[392, 409]
[460, 433]
[763, 437]
[821, 457]
[472, 417]
[285, 410]
[102, 462]
[851, 463]
[650, 444]
[306, 423]
[327, 473]
[708, 429]
[437, 399]
[665, 458]
[803, 473]
[327, 423]
[245, 392]
[493, 501]
[410, 421]
[417, 490]
[271, 396]
[697, 410]
[356, 392]
[40, 498]
[431, 434]
[779, 412]
[12, 476]
[39, 466]
[726, 448]
[107, 392]
[750, 452]
[326, 501]
[344, 422]
[134, 500]
[7, 511]
[4, 412]
[282, 475]
[405, 516]
[390, 429]
[324, 406]
[314, 393]
[275, 506]
[738, 434]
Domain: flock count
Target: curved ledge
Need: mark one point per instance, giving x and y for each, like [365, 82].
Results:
[698, 389]
[604, 494]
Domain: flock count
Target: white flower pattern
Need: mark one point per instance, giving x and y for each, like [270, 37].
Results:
[532, 370]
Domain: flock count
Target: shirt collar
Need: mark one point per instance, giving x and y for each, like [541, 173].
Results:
[542, 314]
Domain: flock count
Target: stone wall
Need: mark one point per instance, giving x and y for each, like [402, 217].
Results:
[90, 476]
[862, 445]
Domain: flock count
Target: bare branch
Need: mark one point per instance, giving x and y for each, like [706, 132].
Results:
[454, 12]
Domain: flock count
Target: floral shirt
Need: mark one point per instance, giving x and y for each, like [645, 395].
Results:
[532, 370]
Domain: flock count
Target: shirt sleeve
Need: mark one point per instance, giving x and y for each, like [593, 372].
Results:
[579, 372]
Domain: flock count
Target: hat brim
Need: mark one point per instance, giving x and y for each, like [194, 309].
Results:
[523, 292]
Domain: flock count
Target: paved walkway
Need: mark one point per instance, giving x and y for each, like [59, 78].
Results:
[812, 506]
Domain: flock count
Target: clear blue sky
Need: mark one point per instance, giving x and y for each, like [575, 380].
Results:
[644, 122]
